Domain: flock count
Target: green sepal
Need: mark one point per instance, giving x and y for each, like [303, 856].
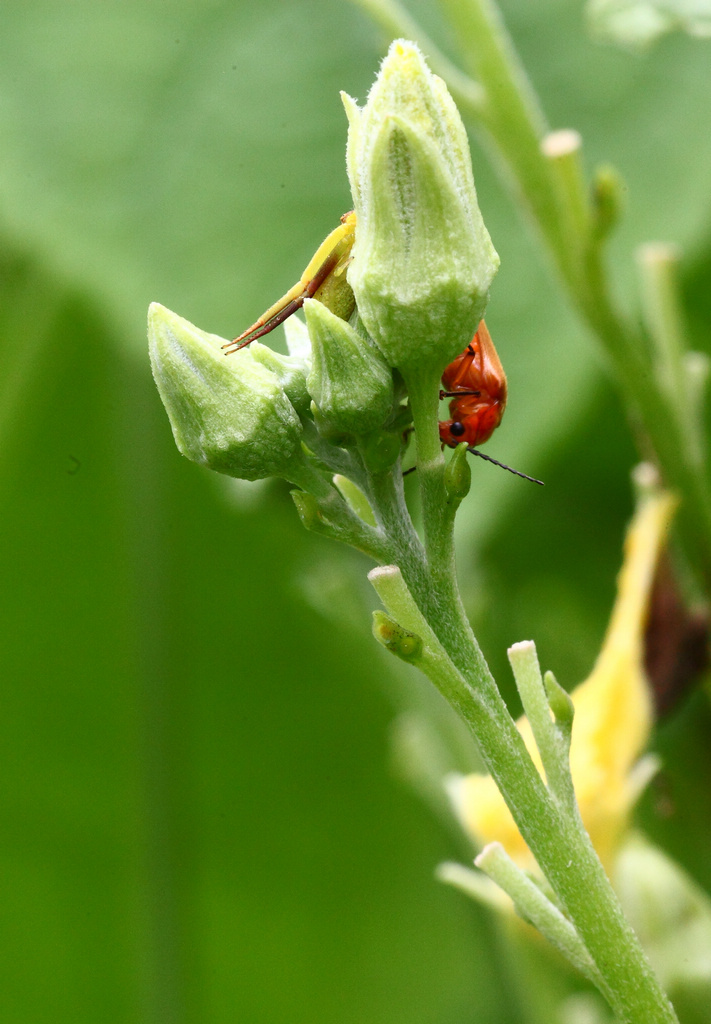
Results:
[298, 342]
[329, 432]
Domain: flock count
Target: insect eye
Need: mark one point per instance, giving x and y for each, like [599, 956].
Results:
[457, 429]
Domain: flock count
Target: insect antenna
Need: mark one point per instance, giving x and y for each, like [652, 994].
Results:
[475, 451]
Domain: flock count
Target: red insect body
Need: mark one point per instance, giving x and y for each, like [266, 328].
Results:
[476, 382]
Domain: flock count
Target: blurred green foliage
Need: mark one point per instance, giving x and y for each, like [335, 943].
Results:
[198, 821]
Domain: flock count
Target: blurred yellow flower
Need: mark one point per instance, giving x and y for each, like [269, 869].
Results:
[613, 714]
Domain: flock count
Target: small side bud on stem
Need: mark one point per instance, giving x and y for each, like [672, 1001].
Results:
[458, 476]
[401, 642]
[607, 200]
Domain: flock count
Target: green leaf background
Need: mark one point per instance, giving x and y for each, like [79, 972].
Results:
[199, 817]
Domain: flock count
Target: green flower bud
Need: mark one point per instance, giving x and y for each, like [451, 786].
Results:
[559, 701]
[458, 475]
[329, 431]
[423, 260]
[350, 382]
[227, 413]
[290, 371]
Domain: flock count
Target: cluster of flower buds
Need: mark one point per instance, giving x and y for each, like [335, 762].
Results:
[245, 415]
[420, 272]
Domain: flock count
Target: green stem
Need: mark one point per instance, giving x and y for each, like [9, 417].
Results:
[534, 906]
[662, 426]
[557, 840]
[387, 498]
[510, 114]
[553, 746]
[423, 392]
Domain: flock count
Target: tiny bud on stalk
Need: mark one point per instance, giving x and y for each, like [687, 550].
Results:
[458, 475]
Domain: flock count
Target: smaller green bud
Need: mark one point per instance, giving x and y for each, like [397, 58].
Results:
[423, 260]
[559, 701]
[290, 371]
[399, 641]
[607, 200]
[350, 382]
[458, 475]
[308, 510]
[227, 413]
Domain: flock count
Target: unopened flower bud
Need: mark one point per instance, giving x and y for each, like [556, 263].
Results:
[458, 475]
[423, 260]
[228, 413]
[350, 382]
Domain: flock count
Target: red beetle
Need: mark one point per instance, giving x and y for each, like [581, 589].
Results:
[476, 383]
